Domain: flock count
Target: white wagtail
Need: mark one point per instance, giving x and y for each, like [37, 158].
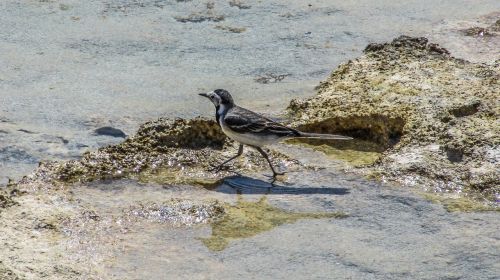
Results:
[252, 129]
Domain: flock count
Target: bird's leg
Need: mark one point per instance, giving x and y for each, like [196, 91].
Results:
[268, 161]
[240, 152]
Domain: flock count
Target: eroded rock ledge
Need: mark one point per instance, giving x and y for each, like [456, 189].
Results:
[436, 114]
[188, 148]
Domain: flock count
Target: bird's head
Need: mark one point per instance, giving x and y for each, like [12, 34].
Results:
[219, 97]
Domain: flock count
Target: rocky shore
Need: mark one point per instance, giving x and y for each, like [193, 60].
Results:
[436, 115]
[163, 152]
[431, 119]
[188, 149]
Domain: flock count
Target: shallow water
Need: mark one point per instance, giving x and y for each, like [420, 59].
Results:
[388, 233]
[316, 223]
[69, 67]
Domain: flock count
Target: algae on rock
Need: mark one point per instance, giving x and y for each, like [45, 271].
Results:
[187, 148]
[246, 219]
[436, 115]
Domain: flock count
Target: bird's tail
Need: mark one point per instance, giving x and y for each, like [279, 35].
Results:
[323, 136]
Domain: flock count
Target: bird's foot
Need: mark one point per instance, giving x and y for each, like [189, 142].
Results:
[275, 177]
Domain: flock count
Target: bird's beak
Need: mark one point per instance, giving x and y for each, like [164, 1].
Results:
[203, 94]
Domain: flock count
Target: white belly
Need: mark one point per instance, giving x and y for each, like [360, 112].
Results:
[249, 138]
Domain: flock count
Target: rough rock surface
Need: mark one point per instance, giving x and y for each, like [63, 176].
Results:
[436, 114]
[189, 148]
[52, 233]
[5, 201]
[176, 151]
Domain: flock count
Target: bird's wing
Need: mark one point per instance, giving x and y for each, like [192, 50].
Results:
[244, 121]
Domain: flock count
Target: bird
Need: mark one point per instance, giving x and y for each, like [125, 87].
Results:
[252, 129]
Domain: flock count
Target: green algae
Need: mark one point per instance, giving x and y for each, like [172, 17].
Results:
[459, 204]
[246, 219]
[412, 97]
[355, 152]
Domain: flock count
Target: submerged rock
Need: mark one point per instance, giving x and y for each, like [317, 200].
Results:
[178, 212]
[246, 219]
[436, 115]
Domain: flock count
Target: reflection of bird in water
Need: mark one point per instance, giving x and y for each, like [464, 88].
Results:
[252, 129]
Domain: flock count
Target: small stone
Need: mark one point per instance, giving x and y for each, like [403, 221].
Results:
[110, 131]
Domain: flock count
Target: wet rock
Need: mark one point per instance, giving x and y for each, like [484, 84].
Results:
[178, 212]
[246, 219]
[110, 131]
[105, 48]
[64, 7]
[436, 115]
[185, 149]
